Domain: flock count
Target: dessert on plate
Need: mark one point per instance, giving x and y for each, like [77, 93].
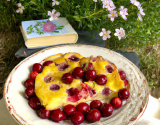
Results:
[70, 88]
[71, 79]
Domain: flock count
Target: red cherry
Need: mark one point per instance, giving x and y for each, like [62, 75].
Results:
[123, 93]
[69, 109]
[45, 114]
[95, 104]
[94, 115]
[67, 78]
[33, 74]
[106, 110]
[57, 115]
[125, 82]
[77, 118]
[101, 79]
[47, 63]
[109, 68]
[89, 67]
[90, 75]
[122, 75]
[83, 108]
[68, 118]
[37, 67]
[54, 87]
[73, 58]
[29, 92]
[62, 66]
[72, 91]
[116, 102]
[29, 83]
[77, 72]
[47, 78]
[34, 103]
[106, 91]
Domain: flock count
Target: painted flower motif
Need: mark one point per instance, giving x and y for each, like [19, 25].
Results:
[105, 34]
[48, 27]
[108, 4]
[120, 33]
[123, 12]
[112, 15]
[20, 9]
[53, 15]
[55, 2]
[135, 2]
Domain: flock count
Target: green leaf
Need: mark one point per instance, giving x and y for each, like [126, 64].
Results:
[55, 31]
[58, 28]
[90, 26]
[87, 63]
[28, 28]
[61, 26]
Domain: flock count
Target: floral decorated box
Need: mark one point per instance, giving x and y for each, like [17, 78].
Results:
[40, 33]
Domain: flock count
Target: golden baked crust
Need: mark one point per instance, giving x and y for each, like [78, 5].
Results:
[86, 91]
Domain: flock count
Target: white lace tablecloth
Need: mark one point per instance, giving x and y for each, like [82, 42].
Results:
[150, 117]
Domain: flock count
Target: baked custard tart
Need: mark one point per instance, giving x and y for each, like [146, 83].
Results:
[71, 78]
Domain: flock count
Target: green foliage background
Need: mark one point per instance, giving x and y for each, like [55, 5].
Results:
[88, 15]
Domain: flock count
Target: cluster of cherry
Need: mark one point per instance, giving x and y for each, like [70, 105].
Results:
[91, 113]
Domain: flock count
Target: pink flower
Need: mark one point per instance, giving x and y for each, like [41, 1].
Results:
[112, 15]
[139, 17]
[135, 2]
[53, 15]
[120, 33]
[95, 0]
[55, 2]
[108, 4]
[20, 9]
[141, 10]
[123, 12]
[105, 34]
[48, 27]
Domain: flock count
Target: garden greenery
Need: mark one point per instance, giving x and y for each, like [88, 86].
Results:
[123, 30]
[131, 20]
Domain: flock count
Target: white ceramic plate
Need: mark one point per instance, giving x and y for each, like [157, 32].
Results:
[129, 113]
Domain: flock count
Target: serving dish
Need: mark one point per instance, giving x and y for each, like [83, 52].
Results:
[129, 113]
